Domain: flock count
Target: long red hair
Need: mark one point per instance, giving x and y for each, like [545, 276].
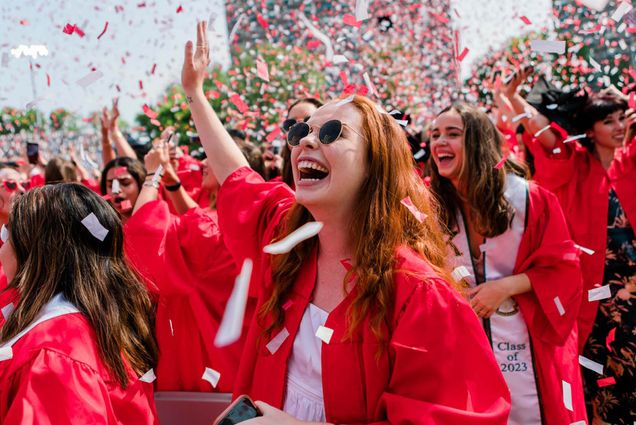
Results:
[380, 225]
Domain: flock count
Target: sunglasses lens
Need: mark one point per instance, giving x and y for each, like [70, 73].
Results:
[10, 186]
[297, 132]
[287, 124]
[26, 185]
[330, 131]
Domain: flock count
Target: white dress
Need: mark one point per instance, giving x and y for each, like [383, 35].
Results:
[303, 398]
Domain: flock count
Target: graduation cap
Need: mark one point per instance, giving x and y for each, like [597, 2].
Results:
[557, 105]
[385, 23]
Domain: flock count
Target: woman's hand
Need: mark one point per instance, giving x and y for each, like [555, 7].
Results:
[195, 66]
[520, 75]
[114, 115]
[486, 298]
[272, 416]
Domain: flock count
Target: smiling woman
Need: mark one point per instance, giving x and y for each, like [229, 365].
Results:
[361, 323]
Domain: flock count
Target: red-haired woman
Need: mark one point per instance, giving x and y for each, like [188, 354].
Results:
[512, 238]
[356, 324]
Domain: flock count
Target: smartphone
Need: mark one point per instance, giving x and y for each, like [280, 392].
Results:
[33, 152]
[241, 409]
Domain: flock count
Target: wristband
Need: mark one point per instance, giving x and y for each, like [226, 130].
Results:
[174, 187]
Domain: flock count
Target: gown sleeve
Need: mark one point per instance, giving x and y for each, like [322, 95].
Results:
[444, 371]
[548, 257]
[553, 170]
[54, 389]
[249, 210]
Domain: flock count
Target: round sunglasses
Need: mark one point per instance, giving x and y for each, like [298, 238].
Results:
[329, 132]
[12, 185]
[289, 123]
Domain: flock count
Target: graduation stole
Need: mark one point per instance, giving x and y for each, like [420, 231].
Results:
[506, 328]
[56, 307]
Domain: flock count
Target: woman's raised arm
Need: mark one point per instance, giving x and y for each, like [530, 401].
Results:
[223, 154]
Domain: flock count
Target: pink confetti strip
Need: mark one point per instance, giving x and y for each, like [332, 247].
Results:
[149, 112]
[262, 70]
[103, 31]
[525, 20]
[463, 54]
[611, 335]
[351, 20]
[501, 163]
[419, 216]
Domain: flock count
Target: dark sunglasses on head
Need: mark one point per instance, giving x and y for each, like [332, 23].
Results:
[289, 123]
[329, 132]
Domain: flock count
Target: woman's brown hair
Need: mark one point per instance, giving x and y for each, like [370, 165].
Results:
[379, 226]
[56, 253]
[59, 170]
[484, 184]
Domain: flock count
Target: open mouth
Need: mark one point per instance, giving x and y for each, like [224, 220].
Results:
[117, 200]
[311, 171]
[445, 158]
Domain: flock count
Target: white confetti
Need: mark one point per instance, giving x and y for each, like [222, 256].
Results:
[548, 46]
[552, 106]
[7, 310]
[621, 11]
[338, 59]
[597, 294]
[277, 341]
[90, 78]
[559, 306]
[4, 234]
[419, 154]
[149, 376]
[591, 365]
[232, 323]
[95, 227]
[304, 232]
[319, 35]
[370, 85]
[543, 130]
[362, 10]
[567, 395]
[585, 250]
[157, 177]
[116, 188]
[556, 150]
[519, 117]
[345, 101]
[579, 423]
[324, 334]
[573, 138]
[460, 272]
[595, 64]
[235, 28]
[597, 5]
[212, 376]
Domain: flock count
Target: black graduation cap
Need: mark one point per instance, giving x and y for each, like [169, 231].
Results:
[557, 105]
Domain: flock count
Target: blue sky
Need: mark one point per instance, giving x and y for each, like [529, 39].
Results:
[155, 34]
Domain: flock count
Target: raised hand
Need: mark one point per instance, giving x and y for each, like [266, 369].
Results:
[512, 83]
[195, 65]
[114, 115]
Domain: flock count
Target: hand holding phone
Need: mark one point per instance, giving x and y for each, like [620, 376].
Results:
[241, 409]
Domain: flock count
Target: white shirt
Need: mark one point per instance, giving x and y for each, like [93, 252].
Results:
[303, 398]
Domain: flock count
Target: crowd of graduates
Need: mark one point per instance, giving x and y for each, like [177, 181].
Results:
[482, 271]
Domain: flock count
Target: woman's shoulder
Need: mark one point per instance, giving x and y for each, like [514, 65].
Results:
[70, 338]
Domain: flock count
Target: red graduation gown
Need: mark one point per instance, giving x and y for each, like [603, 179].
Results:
[193, 273]
[554, 337]
[437, 369]
[56, 376]
[582, 186]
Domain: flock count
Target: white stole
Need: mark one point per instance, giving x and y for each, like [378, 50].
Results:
[57, 306]
[508, 331]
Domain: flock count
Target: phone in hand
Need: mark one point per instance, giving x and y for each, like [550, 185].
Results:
[241, 409]
[33, 152]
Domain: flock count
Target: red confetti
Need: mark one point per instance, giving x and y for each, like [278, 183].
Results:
[120, 170]
[351, 20]
[152, 71]
[501, 163]
[238, 102]
[155, 122]
[48, 79]
[419, 216]
[70, 29]
[179, 9]
[142, 4]
[141, 85]
[631, 102]
[525, 20]
[262, 70]
[24, 22]
[103, 31]
[463, 54]
[261, 20]
[288, 304]
[605, 382]
[611, 335]
[149, 112]
[273, 135]
[346, 263]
